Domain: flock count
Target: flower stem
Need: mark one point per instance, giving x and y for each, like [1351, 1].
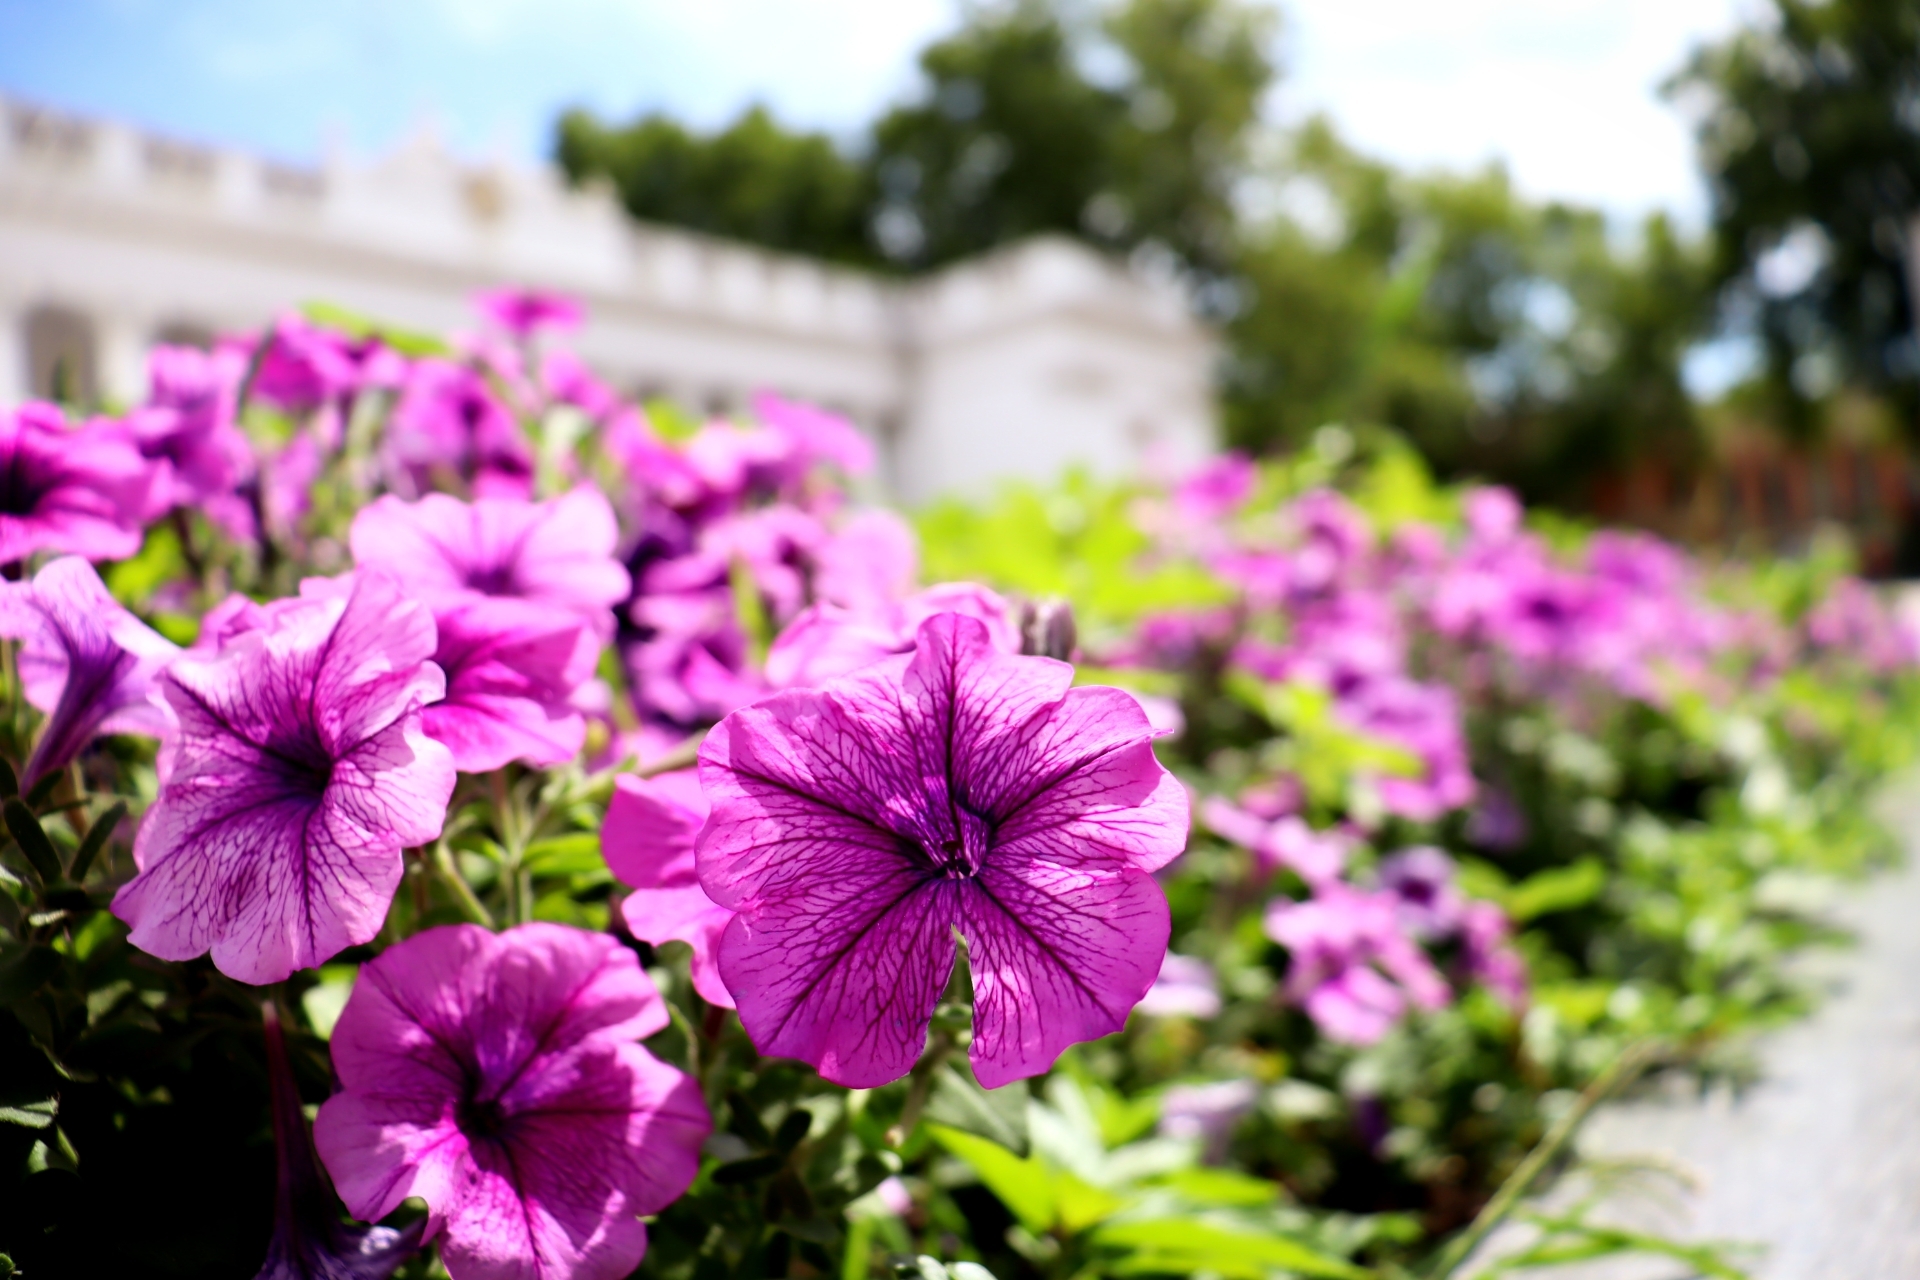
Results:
[463, 894]
[1634, 1059]
[683, 756]
[510, 823]
[921, 1088]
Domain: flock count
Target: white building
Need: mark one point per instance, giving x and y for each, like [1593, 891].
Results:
[1017, 364]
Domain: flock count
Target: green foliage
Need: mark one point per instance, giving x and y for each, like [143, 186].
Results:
[1079, 541]
[754, 180]
[1808, 133]
[1504, 339]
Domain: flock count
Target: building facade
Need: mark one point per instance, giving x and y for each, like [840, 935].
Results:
[1018, 364]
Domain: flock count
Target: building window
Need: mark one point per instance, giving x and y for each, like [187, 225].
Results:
[184, 333]
[61, 365]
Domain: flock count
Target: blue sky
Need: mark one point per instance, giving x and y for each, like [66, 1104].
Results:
[1562, 90]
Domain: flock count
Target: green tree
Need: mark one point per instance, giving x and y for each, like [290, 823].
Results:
[1007, 139]
[1809, 128]
[755, 180]
[1506, 339]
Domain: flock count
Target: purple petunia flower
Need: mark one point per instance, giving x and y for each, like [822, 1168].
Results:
[297, 774]
[652, 825]
[825, 640]
[858, 826]
[495, 1076]
[1185, 989]
[84, 490]
[512, 668]
[188, 423]
[450, 425]
[309, 1241]
[1421, 882]
[301, 366]
[557, 553]
[815, 435]
[86, 662]
[524, 312]
[1353, 967]
[1207, 1114]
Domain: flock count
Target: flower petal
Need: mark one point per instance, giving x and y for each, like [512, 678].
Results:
[1059, 955]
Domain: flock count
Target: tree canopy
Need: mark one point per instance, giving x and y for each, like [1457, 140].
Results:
[1530, 342]
[1809, 130]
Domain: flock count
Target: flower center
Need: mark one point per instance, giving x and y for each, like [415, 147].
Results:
[961, 855]
[492, 580]
[305, 766]
[481, 1118]
[20, 491]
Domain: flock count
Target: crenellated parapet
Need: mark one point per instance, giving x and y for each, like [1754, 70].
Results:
[111, 238]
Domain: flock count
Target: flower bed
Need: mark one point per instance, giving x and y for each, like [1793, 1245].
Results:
[601, 816]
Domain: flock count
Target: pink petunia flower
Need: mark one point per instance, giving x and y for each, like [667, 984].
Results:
[84, 490]
[496, 1077]
[1317, 857]
[816, 435]
[557, 553]
[1421, 882]
[188, 423]
[1353, 966]
[652, 825]
[826, 640]
[85, 661]
[1207, 1114]
[297, 773]
[512, 670]
[857, 826]
[524, 312]
[1185, 988]
[449, 424]
[302, 366]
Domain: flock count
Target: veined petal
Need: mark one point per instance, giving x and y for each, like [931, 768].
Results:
[842, 966]
[496, 1077]
[686, 915]
[1059, 955]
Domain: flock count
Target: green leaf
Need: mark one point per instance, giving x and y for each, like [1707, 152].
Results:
[576, 853]
[1023, 1185]
[751, 1169]
[1222, 1187]
[55, 1154]
[31, 1115]
[749, 610]
[1558, 889]
[792, 1130]
[97, 836]
[26, 832]
[160, 559]
[1080, 1204]
[324, 1002]
[1187, 1244]
[9, 783]
[1122, 1119]
[405, 341]
[37, 794]
[24, 970]
[958, 1102]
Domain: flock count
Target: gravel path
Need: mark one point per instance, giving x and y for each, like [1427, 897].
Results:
[1818, 1162]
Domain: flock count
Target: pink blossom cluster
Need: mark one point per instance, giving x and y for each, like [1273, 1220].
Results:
[1407, 631]
[890, 777]
[888, 771]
